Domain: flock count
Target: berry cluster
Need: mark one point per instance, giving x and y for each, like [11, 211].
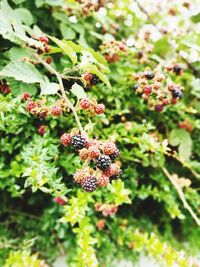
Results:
[43, 48]
[40, 109]
[106, 209]
[4, 88]
[113, 49]
[88, 6]
[90, 79]
[156, 90]
[92, 106]
[99, 154]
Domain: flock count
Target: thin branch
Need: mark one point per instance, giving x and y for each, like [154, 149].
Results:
[63, 92]
[181, 195]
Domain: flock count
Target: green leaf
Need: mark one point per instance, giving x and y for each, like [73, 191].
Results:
[78, 91]
[181, 138]
[22, 71]
[67, 50]
[48, 88]
[16, 53]
[19, 88]
[25, 15]
[195, 18]
[120, 194]
[67, 32]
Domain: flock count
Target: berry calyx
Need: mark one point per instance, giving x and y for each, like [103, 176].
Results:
[78, 142]
[65, 139]
[42, 129]
[103, 162]
[85, 103]
[103, 180]
[56, 111]
[99, 109]
[89, 184]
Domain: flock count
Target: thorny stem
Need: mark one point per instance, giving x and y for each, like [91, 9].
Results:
[62, 89]
[181, 195]
[190, 66]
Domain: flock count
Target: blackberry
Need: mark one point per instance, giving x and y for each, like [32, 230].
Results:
[177, 93]
[149, 75]
[95, 79]
[116, 176]
[177, 69]
[159, 108]
[114, 155]
[89, 184]
[103, 162]
[78, 142]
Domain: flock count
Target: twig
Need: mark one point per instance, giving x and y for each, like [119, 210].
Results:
[62, 89]
[181, 195]
[190, 66]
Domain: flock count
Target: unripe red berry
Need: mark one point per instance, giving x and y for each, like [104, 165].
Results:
[56, 111]
[101, 224]
[47, 49]
[159, 108]
[174, 101]
[122, 47]
[40, 51]
[103, 180]
[4, 88]
[25, 96]
[99, 109]
[85, 103]
[31, 105]
[87, 76]
[65, 139]
[109, 148]
[165, 102]
[83, 153]
[169, 68]
[44, 39]
[80, 176]
[112, 170]
[42, 129]
[59, 200]
[94, 152]
[48, 60]
[147, 89]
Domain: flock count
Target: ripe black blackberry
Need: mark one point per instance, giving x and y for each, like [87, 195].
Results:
[116, 176]
[177, 69]
[89, 184]
[114, 155]
[176, 93]
[149, 75]
[95, 79]
[103, 162]
[78, 142]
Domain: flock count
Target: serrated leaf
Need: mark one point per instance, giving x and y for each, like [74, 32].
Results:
[19, 87]
[48, 88]
[22, 71]
[67, 32]
[67, 50]
[25, 15]
[78, 91]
